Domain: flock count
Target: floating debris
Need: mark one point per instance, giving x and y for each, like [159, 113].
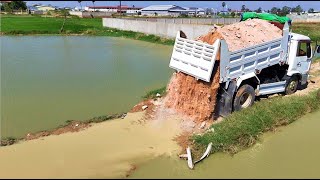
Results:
[190, 163]
[184, 156]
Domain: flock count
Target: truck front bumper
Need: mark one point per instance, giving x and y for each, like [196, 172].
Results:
[304, 79]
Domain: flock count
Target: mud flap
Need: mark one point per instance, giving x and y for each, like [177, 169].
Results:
[225, 99]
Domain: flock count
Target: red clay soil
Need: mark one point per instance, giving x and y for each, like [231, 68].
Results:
[150, 110]
[183, 140]
[197, 98]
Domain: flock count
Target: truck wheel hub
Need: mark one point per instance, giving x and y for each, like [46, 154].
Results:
[245, 100]
[292, 85]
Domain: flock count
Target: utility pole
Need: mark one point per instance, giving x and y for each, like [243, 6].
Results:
[120, 10]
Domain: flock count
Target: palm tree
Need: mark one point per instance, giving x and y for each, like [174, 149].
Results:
[223, 5]
[243, 8]
[80, 5]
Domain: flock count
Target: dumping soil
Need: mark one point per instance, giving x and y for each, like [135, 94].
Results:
[197, 98]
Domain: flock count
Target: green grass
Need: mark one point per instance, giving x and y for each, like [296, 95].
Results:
[242, 129]
[42, 25]
[104, 118]
[29, 25]
[152, 94]
[8, 141]
[308, 29]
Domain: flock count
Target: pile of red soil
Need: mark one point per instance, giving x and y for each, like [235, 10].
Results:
[197, 98]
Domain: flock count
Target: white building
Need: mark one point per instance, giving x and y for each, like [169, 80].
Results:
[162, 10]
[133, 10]
[194, 11]
[315, 13]
[45, 8]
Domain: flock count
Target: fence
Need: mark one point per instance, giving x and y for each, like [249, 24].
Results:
[163, 29]
[90, 14]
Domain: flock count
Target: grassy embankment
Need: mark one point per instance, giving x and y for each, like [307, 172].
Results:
[152, 94]
[32, 25]
[308, 29]
[242, 129]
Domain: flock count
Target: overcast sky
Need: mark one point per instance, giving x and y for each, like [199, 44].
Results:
[265, 5]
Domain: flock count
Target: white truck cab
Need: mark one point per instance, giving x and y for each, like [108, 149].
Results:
[277, 66]
[300, 55]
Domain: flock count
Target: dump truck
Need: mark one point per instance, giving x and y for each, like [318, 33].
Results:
[277, 66]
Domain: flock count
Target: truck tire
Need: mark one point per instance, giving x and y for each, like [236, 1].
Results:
[244, 98]
[292, 85]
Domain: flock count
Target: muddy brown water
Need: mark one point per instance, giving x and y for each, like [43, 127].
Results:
[292, 152]
[105, 150]
[46, 80]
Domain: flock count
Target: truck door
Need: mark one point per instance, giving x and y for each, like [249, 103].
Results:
[303, 57]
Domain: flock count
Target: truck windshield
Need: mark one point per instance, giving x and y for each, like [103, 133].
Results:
[304, 49]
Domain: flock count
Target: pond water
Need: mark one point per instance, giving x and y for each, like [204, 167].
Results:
[46, 80]
[291, 152]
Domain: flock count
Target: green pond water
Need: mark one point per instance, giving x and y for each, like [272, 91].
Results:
[291, 152]
[46, 80]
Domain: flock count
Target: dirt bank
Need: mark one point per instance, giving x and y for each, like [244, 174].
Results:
[314, 82]
[70, 126]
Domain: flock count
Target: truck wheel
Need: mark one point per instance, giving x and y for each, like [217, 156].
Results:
[244, 98]
[292, 85]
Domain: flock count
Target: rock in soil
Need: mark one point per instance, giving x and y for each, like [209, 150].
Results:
[144, 107]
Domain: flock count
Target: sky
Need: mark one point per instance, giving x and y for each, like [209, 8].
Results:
[235, 5]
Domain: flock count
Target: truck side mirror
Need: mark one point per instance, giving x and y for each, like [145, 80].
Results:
[317, 52]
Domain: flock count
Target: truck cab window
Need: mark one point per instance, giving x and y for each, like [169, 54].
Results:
[304, 49]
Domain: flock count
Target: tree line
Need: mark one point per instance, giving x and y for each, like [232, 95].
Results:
[13, 5]
[21, 5]
[275, 10]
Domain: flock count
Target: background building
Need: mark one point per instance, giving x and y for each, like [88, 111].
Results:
[162, 10]
[114, 9]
